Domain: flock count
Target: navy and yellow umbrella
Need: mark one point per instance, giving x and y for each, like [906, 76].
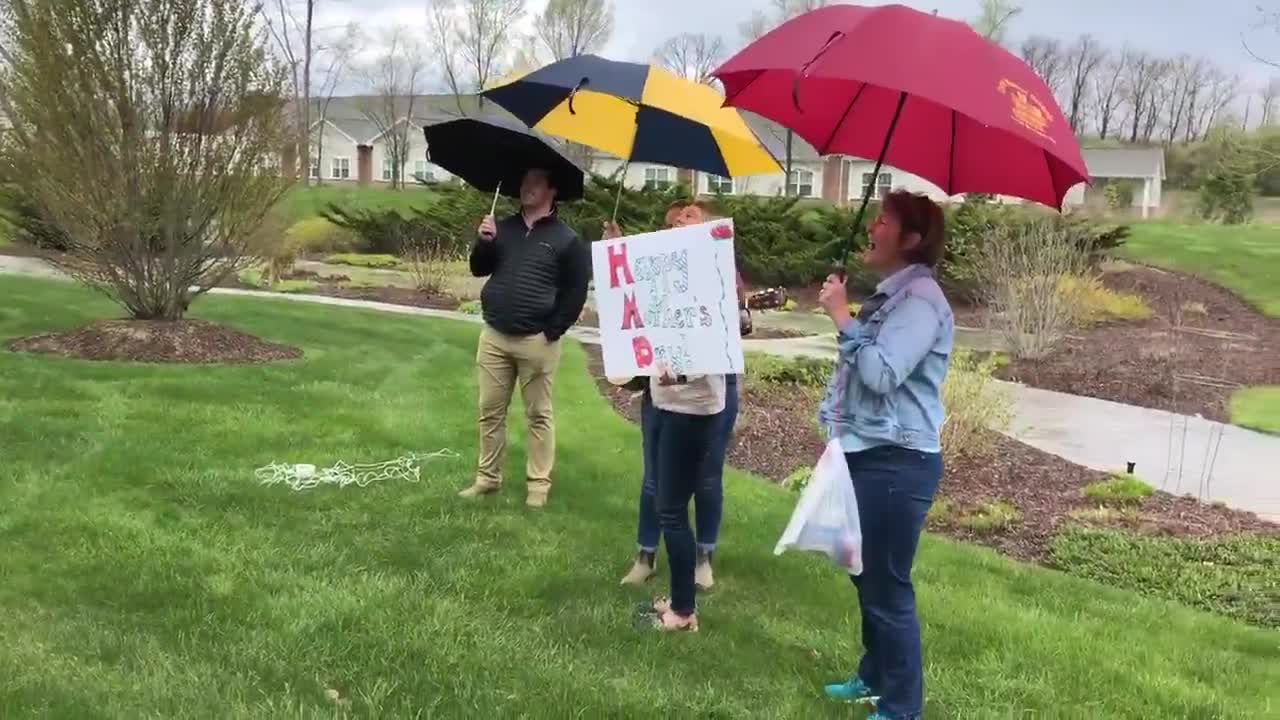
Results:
[637, 112]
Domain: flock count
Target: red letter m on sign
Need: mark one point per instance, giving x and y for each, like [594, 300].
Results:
[630, 312]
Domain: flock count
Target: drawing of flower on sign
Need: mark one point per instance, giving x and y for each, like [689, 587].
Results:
[669, 296]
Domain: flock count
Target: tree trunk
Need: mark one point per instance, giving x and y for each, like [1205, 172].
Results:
[786, 188]
[306, 95]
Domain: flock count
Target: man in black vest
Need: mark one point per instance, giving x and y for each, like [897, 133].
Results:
[538, 270]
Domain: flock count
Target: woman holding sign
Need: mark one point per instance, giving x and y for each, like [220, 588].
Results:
[884, 404]
[709, 490]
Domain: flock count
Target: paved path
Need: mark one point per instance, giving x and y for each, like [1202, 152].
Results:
[1180, 454]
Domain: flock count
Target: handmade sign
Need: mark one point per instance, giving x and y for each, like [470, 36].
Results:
[669, 296]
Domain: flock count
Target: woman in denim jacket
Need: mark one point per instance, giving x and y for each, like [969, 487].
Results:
[884, 405]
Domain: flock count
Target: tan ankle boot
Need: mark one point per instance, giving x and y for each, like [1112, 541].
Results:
[702, 575]
[537, 490]
[642, 570]
[478, 490]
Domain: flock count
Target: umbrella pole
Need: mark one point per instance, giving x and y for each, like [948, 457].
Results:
[494, 207]
[621, 184]
[871, 187]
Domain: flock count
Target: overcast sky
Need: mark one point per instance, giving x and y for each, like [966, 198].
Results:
[1212, 28]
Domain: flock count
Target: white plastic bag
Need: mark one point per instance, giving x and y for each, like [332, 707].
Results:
[826, 517]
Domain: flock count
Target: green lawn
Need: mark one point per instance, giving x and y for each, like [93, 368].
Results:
[1257, 408]
[146, 574]
[303, 202]
[1245, 259]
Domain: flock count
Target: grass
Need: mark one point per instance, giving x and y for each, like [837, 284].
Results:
[372, 260]
[146, 574]
[1257, 408]
[1245, 259]
[1233, 576]
[305, 202]
[990, 518]
[253, 277]
[1119, 490]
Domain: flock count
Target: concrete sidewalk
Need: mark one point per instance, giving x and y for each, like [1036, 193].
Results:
[1176, 453]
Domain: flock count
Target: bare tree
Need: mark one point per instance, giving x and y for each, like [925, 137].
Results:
[1223, 90]
[472, 40]
[1047, 59]
[1141, 72]
[994, 17]
[150, 133]
[1108, 94]
[1082, 62]
[335, 59]
[1180, 90]
[755, 27]
[292, 27]
[1270, 93]
[569, 28]
[692, 56]
[396, 78]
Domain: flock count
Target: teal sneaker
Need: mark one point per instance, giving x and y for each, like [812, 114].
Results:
[853, 690]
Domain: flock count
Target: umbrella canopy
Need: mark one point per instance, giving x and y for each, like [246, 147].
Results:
[637, 112]
[492, 153]
[922, 93]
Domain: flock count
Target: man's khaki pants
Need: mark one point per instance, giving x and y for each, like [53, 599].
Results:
[501, 362]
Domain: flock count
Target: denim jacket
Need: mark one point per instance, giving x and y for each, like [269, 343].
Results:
[886, 388]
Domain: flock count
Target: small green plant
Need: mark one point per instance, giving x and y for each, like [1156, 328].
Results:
[1096, 303]
[804, 372]
[470, 307]
[799, 479]
[790, 305]
[939, 511]
[991, 518]
[294, 286]
[374, 261]
[1119, 490]
[977, 407]
[1119, 194]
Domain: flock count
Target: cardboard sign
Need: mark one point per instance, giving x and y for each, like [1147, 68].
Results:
[669, 296]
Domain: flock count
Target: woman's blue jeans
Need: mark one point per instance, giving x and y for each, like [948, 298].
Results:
[708, 494]
[894, 487]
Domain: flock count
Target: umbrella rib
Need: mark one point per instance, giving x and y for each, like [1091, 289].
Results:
[951, 157]
[826, 146]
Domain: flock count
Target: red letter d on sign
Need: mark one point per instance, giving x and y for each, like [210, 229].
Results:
[630, 312]
[643, 350]
[618, 259]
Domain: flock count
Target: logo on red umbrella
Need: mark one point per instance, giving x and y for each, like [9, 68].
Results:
[1028, 111]
[722, 232]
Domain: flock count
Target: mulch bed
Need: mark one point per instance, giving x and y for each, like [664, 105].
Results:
[153, 341]
[390, 295]
[777, 434]
[1201, 344]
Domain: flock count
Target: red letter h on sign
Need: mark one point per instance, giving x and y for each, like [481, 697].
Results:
[618, 259]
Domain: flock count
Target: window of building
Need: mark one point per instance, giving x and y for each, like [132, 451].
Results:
[657, 178]
[313, 169]
[882, 187]
[800, 183]
[340, 169]
[423, 171]
[719, 185]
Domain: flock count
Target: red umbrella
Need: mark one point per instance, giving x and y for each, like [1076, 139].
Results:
[922, 93]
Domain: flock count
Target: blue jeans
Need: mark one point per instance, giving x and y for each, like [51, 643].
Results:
[708, 495]
[681, 441]
[894, 487]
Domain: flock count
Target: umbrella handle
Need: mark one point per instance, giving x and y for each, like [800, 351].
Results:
[494, 207]
[839, 270]
[574, 93]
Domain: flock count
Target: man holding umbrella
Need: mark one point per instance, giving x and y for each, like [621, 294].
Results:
[538, 270]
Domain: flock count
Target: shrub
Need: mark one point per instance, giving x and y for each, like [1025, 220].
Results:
[1023, 270]
[375, 261]
[976, 406]
[470, 307]
[1119, 194]
[1227, 195]
[799, 479]
[804, 372]
[939, 511]
[990, 518]
[1119, 490]
[1096, 303]
[790, 305]
[318, 235]
[1232, 576]
[28, 225]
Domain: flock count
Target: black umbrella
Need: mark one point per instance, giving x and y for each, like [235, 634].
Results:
[492, 154]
